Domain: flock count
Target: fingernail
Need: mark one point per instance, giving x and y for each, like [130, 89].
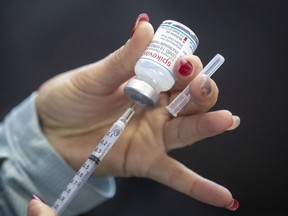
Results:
[234, 205]
[206, 87]
[186, 68]
[235, 123]
[141, 17]
[35, 197]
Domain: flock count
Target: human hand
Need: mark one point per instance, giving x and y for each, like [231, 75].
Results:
[76, 109]
[36, 207]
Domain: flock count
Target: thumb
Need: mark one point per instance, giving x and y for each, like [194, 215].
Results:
[38, 208]
[118, 67]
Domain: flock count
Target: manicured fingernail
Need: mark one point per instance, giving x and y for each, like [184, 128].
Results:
[141, 17]
[234, 206]
[206, 87]
[235, 123]
[35, 197]
[186, 68]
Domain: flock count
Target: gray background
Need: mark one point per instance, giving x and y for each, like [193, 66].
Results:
[40, 39]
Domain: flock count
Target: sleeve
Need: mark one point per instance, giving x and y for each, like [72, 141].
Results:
[30, 165]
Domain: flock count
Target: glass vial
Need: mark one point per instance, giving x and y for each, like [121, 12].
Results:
[154, 69]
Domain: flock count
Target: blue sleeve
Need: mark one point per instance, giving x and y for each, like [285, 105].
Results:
[30, 165]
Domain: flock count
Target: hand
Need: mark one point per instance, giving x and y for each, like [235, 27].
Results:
[78, 107]
[36, 207]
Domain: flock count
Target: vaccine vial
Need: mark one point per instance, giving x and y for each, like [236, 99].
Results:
[154, 69]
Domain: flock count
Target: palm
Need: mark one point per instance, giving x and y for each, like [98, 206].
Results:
[81, 126]
[143, 143]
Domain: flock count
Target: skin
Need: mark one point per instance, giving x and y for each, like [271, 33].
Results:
[37, 208]
[76, 109]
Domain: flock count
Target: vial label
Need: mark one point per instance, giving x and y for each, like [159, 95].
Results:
[171, 40]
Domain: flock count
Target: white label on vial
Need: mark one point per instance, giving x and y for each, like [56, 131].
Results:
[168, 43]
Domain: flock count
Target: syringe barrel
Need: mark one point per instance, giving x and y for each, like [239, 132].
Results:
[74, 186]
[91, 163]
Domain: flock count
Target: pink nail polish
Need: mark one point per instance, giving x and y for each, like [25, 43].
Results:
[234, 206]
[141, 17]
[37, 198]
[206, 87]
[186, 68]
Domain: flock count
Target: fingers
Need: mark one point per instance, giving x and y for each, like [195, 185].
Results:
[203, 90]
[37, 208]
[170, 172]
[183, 131]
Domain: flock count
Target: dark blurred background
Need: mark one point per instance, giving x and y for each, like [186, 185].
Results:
[40, 39]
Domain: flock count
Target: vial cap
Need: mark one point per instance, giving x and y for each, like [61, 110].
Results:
[141, 93]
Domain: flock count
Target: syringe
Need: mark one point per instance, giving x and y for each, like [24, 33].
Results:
[91, 163]
[182, 99]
